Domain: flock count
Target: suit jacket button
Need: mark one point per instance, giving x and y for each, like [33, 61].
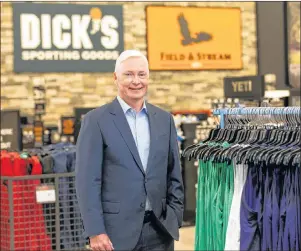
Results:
[142, 205]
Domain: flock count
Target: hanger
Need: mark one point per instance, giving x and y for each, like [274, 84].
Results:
[297, 141]
[194, 149]
[289, 133]
[250, 138]
[265, 139]
[213, 133]
[295, 137]
[246, 132]
[200, 153]
[191, 147]
[255, 151]
[241, 137]
[271, 158]
[228, 136]
[267, 155]
[219, 135]
[292, 138]
[296, 160]
[203, 153]
[286, 159]
[224, 153]
[264, 135]
[285, 138]
[209, 153]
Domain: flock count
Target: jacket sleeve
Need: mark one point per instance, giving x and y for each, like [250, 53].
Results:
[175, 196]
[88, 172]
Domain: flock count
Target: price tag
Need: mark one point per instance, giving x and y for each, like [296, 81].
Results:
[45, 194]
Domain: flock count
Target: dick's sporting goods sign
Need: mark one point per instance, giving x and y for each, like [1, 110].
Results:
[67, 37]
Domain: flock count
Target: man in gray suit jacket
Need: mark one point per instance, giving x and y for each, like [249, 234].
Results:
[128, 178]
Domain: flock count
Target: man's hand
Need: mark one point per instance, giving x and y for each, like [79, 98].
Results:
[101, 243]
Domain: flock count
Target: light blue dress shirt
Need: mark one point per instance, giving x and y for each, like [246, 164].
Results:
[139, 124]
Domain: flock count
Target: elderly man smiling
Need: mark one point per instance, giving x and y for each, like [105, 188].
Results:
[128, 179]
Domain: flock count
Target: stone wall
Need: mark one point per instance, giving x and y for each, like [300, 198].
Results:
[169, 90]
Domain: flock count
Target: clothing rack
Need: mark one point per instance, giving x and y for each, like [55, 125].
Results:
[39, 208]
[248, 180]
[258, 111]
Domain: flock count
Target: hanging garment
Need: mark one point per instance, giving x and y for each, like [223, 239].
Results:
[265, 225]
[41, 226]
[60, 166]
[61, 158]
[290, 234]
[6, 170]
[29, 226]
[265, 209]
[76, 222]
[38, 223]
[233, 229]
[276, 185]
[215, 191]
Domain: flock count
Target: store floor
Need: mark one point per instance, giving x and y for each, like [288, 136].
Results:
[186, 241]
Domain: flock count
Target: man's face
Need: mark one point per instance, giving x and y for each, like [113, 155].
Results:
[132, 78]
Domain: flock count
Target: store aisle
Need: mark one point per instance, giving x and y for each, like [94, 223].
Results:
[186, 241]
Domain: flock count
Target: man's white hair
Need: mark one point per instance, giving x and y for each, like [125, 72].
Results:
[128, 54]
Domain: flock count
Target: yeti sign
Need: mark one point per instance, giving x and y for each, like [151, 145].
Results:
[67, 37]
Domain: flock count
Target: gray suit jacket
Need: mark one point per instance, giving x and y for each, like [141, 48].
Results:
[111, 184]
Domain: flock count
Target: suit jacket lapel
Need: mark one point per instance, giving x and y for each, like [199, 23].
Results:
[153, 134]
[125, 131]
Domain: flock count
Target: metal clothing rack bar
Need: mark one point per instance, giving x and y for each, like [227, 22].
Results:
[294, 110]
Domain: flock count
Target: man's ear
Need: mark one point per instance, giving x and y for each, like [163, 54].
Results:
[115, 79]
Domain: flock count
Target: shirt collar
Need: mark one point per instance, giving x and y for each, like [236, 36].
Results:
[125, 107]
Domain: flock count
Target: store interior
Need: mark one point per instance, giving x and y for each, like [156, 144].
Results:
[228, 72]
